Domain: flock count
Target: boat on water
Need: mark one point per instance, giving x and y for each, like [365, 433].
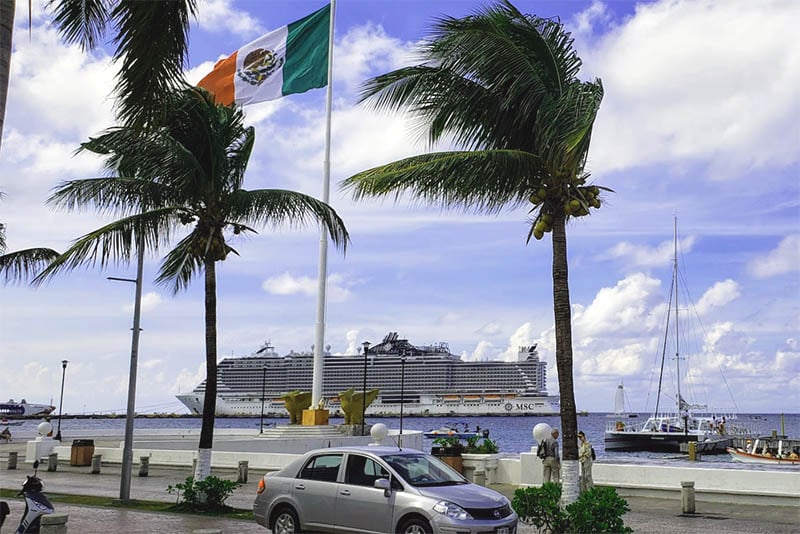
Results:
[453, 432]
[11, 422]
[768, 450]
[683, 422]
[12, 409]
[426, 380]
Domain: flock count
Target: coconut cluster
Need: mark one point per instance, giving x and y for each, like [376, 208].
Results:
[575, 202]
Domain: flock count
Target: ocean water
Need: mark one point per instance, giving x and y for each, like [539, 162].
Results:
[513, 434]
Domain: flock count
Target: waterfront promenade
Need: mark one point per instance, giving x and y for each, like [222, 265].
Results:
[648, 515]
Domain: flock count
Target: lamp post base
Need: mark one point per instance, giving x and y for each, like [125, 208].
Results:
[315, 417]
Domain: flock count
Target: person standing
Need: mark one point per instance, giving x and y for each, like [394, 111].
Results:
[551, 464]
[585, 459]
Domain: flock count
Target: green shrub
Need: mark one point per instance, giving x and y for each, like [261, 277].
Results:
[481, 445]
[598, 510]
[208, 494]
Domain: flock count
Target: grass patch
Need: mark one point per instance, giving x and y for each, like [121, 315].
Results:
[144, 506]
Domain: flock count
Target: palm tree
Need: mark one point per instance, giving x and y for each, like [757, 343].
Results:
[151, 40]
[7, 9]
[23, 264]
[503, 85]
[188, 173]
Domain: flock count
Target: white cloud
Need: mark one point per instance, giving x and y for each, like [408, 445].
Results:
[218, 16]
[150, 301]
[783, 259]
[645, 256]
[682, 84]
[288, 284]
[585, 20]
[717, 296]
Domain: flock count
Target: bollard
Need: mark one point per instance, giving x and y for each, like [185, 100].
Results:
[692, 451]
[96, 462]
[242, 472]
[12, 460]
[144, 466]
[54, 524]
[687, 497]
[52, 461]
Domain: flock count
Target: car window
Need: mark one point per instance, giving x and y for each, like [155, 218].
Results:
[363, 471]
[323, 467]
[424, 470]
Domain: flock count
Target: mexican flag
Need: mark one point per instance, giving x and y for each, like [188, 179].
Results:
[289, 60]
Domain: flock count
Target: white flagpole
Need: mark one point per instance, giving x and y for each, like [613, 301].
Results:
[319, 333]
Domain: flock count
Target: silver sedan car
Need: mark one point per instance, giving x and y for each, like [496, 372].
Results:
[381, 490]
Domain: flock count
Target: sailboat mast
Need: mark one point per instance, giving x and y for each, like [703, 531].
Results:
[675, 289]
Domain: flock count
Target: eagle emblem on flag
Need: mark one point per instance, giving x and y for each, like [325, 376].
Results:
[258, 65]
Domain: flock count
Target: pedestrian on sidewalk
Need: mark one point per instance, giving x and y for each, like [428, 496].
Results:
[585, 459]
[551, 464]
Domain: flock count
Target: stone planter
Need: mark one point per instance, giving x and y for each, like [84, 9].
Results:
[480, 468]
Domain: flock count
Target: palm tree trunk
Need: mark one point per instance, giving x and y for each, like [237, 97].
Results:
[563, 325]
[210, 401]
[7, 8]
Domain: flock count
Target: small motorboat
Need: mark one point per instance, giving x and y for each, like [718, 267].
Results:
[11, 422]
[453, 432]
[768, 450]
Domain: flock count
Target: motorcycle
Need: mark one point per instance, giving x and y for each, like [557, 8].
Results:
[36, 504]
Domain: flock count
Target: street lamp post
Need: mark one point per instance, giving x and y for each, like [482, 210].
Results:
[263, 389]
[364, 390]
[127, 449]
[61, 402]
[402, 393]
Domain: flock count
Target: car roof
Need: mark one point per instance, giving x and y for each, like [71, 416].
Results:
[373, 450]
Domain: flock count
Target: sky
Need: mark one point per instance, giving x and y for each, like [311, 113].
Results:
[700, 121]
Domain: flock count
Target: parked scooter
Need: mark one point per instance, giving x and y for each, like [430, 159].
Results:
[36, 503]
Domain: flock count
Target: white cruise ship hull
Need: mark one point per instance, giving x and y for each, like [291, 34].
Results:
[427, 380]
[512, 405]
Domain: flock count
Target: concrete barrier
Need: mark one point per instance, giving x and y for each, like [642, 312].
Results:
[687, 497]
[242, 479]
[52, 461]
[12, 460]
[54, 524]
[144, 466]
[97, 460]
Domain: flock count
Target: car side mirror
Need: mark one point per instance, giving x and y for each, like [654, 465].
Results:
[385, 485]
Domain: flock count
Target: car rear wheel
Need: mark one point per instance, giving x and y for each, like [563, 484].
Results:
[415, 526]
[286, 522]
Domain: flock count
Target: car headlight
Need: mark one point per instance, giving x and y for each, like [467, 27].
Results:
[451, 510]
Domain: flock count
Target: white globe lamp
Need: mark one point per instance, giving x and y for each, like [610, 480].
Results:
[541, 431]
[378, 433]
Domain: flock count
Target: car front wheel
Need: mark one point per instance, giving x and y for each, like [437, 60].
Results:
[286, 522]
[415, 526]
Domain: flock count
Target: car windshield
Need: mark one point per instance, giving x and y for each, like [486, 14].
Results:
[424, 470]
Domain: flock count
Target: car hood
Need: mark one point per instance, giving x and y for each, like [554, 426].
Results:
[465, 495]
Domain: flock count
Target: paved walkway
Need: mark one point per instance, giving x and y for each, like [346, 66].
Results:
[647, 515]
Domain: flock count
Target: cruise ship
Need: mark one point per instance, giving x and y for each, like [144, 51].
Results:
[427, 380]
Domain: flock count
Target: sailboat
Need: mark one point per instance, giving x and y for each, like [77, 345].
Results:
[670, 430]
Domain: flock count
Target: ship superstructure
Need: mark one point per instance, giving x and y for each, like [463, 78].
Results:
[428, 380]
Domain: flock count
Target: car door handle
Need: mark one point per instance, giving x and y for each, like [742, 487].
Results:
[300, 486]
[345, 492]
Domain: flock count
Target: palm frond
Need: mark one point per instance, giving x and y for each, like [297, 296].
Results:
[483, 181]
[180, 264]
[81, 21]
[113, 195]
[114, 243]
[152, 45]
[278, 207]
[23, 265]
